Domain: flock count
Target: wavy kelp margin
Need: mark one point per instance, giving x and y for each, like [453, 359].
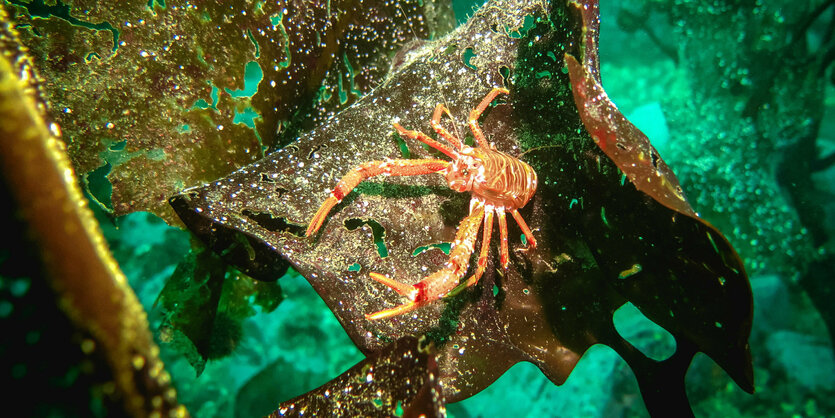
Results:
[631, 151]
[604, 238]
[400, 380]
[89, 287]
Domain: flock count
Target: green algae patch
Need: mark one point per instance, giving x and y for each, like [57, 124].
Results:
[140, 70]
[551, 303]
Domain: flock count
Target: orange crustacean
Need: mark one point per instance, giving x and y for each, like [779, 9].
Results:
[497, 182]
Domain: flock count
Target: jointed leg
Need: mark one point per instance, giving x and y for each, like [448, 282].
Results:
[422, 137]
[503, 253]
[436, 124]
[441, 282]
[485, 244]
[482, 256]
[371, 169]
[476, 113]
[525, 230]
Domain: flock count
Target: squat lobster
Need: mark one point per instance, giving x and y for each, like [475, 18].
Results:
[497, 182]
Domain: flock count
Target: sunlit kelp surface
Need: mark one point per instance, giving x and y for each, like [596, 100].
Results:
[400, 380]
[611, 227]
[159, 96]
[665, 83]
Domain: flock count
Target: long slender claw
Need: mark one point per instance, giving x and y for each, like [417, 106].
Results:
[320, 216]
[402, 288]
[371, 169]
[438, 284]
[397, 310]
[405, 132]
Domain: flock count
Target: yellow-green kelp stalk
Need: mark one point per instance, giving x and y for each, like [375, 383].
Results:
[89, 286]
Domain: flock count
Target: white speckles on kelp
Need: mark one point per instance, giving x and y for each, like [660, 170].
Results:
[551, 303]
[165, 88]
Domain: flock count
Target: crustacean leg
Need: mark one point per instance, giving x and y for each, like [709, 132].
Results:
[371, 169]
[525, 230]
[476, 113]
[422, 137]
[503, 252]
[504, 256]
[485, 243]
[436, 124]
[481, 264]
[440, 283]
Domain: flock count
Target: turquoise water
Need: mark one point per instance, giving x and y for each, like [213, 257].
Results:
[747, 125]
[793, 359]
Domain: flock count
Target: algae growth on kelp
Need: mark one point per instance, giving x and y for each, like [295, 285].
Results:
[153, 99]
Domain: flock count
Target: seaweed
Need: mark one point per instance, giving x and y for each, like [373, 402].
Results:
[400, 380]
[156, 92]
[204, 302]
[95, 308]
[612, 222]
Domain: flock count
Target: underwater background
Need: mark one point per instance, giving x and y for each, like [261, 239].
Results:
[745, 122]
